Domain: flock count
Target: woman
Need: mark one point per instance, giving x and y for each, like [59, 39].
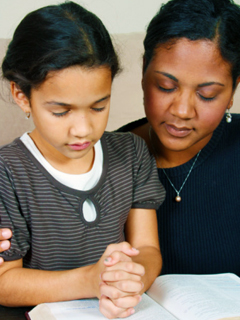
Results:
[191, 71]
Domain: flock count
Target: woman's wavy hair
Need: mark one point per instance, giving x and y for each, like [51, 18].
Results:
[214, 20]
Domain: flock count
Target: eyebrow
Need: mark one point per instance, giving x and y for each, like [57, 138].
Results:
[168, 75]
[62, 104]
[205, 84]
[210, 84]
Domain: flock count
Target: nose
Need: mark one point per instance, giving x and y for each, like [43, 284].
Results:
[80, 126]
[183, 106]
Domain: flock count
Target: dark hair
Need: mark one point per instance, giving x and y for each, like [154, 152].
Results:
[215, 20]
[53, 38]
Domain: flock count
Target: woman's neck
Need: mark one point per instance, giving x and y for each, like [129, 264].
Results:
[167, 158]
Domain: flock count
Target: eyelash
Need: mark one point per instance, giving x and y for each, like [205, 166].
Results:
[166, 90]
[206, 99]
[60, 114]
[98, 109]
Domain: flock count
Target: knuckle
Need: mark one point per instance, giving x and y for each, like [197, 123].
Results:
[126, 245]
[116, 254]
[115, 313]
[116, 295]
[118, 275]
[130, 266]
[110, 247]
[123, 285]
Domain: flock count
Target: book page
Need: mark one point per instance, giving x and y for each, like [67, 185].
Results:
[88, 309]
[198, 297]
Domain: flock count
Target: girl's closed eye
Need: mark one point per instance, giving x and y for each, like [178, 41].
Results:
[99, 109]
[60, 114]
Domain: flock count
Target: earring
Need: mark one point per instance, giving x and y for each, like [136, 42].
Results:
[28, 115]
[228, 116]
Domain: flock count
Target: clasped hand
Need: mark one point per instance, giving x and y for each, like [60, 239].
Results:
[120, 281]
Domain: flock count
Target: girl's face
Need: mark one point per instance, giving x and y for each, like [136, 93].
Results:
[187, 89]
[70, 112]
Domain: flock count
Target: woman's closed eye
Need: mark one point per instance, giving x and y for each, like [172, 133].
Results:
[206, 98]
[166, 89]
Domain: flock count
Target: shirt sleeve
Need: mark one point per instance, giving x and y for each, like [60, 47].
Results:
[12, 217]
[148, 190]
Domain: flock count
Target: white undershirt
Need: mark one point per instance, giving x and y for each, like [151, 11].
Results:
[82, 182]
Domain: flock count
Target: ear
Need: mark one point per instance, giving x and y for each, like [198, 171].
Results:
[20, 98]
[231, 102]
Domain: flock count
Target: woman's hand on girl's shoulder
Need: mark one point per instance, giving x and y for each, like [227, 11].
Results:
[5, 235]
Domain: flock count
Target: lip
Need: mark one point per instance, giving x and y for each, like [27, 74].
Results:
[79, 146]
[179, 132]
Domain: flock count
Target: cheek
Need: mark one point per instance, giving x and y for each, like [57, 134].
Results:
[210, 119]
[153, 104]
[100, 123]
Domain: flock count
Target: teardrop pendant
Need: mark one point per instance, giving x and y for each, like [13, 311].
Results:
[178, 198]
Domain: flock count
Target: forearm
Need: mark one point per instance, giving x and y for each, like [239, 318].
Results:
[151, 258]
[21, 286]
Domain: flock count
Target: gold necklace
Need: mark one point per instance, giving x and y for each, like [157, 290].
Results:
[177, 198]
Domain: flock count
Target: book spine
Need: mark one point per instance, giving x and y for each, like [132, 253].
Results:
[27, 316]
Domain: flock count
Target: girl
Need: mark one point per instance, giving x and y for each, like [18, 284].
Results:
[68, 180]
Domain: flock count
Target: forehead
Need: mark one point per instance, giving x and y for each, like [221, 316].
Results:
[199, 57]
[76, 81]
[78, 72]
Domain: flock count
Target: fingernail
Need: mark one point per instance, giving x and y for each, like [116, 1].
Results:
[132, 311]
[134, 249]
[5, 245]
[6, 233]
[109, 259]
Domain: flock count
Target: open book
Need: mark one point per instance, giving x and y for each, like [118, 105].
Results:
[171, 297]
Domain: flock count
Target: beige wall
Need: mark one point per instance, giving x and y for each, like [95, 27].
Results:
[119, 16]
[127, 98]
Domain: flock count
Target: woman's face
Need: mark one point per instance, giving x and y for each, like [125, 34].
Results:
[187, 89]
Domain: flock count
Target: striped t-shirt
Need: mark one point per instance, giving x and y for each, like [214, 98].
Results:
[49, 229]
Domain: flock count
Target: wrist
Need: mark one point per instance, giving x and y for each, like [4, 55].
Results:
[93, 278]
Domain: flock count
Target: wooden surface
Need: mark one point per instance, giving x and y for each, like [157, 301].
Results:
[7, 313]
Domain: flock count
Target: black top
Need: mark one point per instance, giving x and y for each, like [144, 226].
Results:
[200, 234]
